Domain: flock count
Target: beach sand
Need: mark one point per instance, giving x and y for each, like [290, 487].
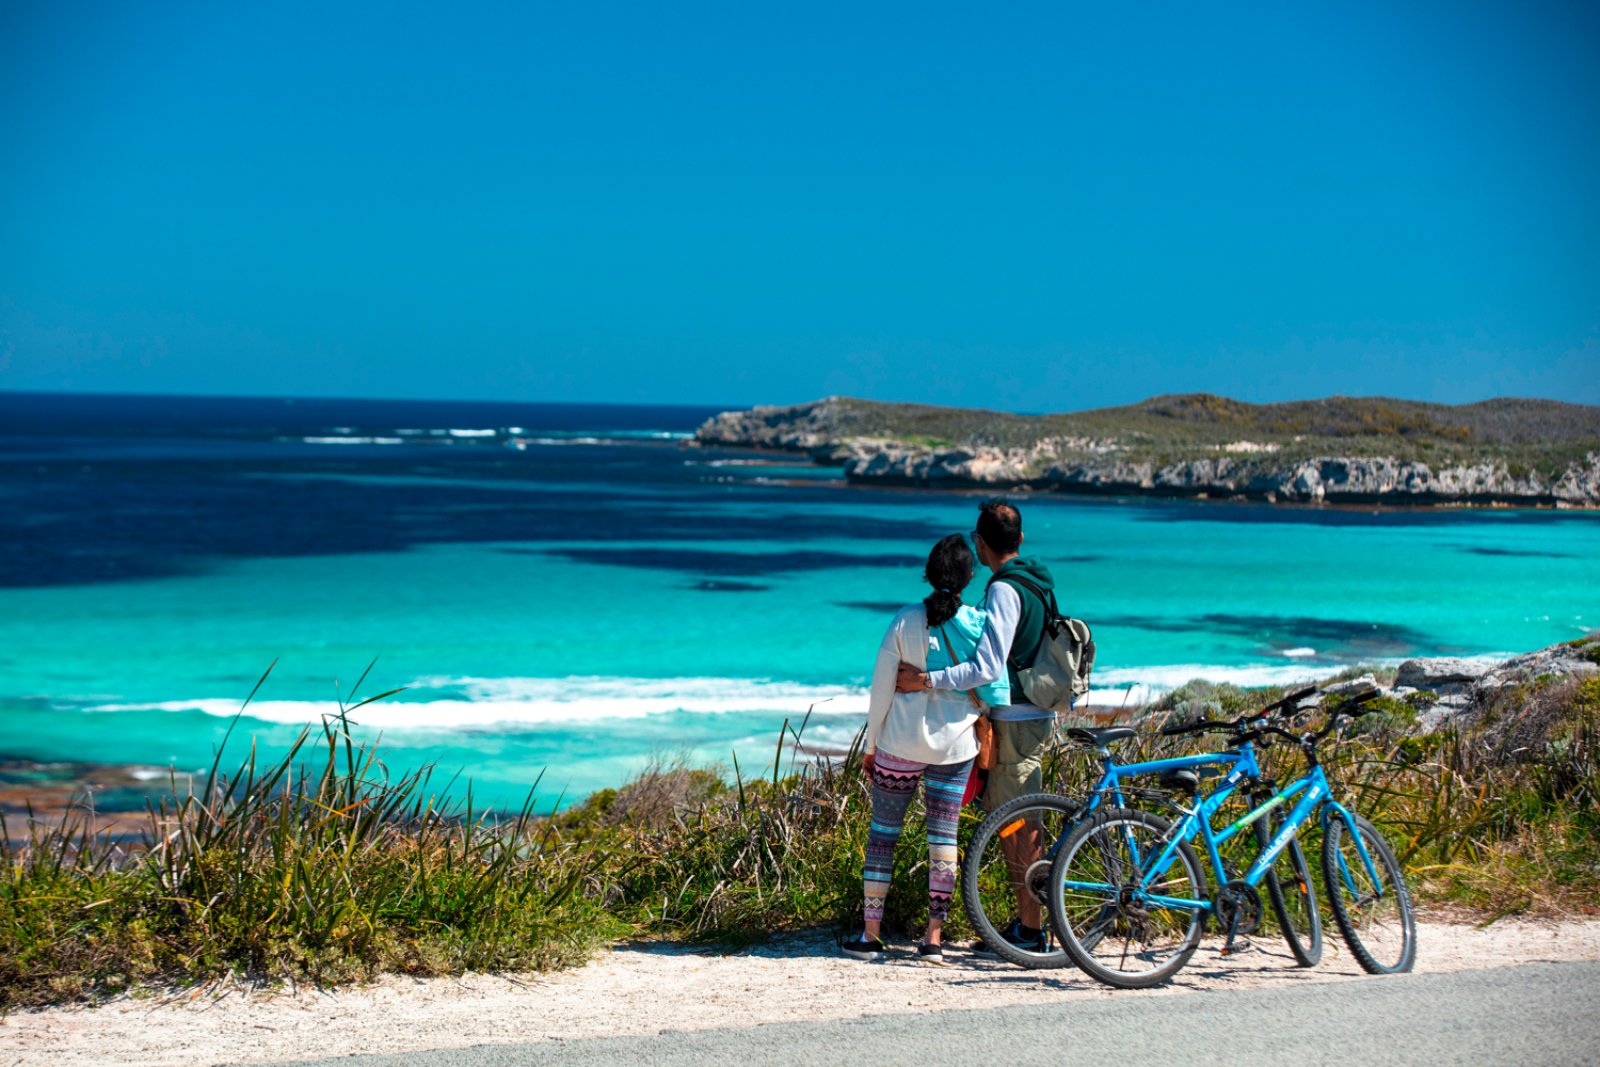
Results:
[649, 988]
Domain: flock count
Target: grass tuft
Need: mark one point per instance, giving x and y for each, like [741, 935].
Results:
[320, 866]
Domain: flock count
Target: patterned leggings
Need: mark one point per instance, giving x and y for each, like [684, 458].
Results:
[894, 783]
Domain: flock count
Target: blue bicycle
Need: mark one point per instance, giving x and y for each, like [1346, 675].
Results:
[1128, 897]
[1006, 867]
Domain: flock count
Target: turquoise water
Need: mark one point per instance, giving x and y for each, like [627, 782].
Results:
[587, 649]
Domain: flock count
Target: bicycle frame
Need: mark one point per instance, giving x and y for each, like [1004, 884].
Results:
[1312, 788]
[1110, 784]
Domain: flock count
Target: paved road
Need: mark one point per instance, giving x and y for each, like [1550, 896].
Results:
[1535, 1014]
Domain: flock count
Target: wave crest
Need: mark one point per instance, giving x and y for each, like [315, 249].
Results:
[477, 703]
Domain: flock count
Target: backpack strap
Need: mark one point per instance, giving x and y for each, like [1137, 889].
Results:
[1046, 599]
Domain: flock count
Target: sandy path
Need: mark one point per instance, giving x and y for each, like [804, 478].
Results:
[646, 989]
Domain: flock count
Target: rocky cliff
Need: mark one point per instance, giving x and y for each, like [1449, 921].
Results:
[1358, 451]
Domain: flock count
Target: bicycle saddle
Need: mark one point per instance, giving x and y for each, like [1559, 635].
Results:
[1102, 737]
[1185, 781]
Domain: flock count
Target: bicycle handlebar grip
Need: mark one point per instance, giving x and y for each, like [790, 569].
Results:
[1352, 705]
[1285, 701]
[1174, 729]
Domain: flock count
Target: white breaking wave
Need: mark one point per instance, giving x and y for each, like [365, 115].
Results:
[1299, 653]
[608, 437]
[508, 702]
[472, 433]
[447, 702]
[353, 440]
[1134, 686]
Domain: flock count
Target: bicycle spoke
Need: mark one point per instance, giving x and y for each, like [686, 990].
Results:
[1005, 871]
[1117, 932]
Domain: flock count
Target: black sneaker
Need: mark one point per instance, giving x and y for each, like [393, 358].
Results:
[863, 948]
[1016, 936]
[931, 954]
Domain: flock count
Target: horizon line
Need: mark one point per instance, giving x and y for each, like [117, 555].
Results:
[314, 398]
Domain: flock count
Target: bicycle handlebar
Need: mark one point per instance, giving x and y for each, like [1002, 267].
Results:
[1347, 708]
[1293, 698]
[1177, 729]
[1204, 725]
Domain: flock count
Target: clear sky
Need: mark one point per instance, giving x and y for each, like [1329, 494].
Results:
[1033, 207]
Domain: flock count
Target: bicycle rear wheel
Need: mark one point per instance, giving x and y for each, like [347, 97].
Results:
[1293, 902]
[1374, 913]
[1007, 867]
[1120, 931]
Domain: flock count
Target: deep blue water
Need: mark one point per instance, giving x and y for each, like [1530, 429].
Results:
[572, 587]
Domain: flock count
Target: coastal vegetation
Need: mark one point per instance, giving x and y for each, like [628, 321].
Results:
[320, 866]
[1340, 448]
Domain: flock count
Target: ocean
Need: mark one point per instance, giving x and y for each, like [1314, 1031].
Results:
[574, 591]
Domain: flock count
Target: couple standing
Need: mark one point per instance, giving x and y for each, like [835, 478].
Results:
[941, 665]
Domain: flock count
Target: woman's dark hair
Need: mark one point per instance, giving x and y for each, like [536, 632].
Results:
[949, 570]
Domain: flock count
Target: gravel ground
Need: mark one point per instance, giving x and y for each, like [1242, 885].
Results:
[638, 990]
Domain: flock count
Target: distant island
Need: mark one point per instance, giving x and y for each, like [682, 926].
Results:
[1342, 450]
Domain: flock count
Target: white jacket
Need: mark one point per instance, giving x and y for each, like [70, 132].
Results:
[933, 726]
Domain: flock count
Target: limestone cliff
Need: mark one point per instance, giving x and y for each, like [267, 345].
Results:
[1338, 451]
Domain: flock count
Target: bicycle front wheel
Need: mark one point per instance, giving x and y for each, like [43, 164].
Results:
[1120, 922]
[1006, 871]
[1293, 902]
[1370, 904]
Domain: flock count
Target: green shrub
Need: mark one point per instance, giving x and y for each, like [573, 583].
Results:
[320, 867]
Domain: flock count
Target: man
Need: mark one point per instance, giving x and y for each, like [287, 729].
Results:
[1022, 731]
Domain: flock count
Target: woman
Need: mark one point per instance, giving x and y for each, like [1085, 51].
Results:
[926, 735]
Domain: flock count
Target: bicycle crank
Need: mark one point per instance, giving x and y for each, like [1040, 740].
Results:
[1036, 879]
[1238, 908]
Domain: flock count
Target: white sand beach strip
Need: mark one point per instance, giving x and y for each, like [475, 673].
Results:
[645, 989]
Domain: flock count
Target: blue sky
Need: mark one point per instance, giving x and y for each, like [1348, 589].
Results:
[1032, 207]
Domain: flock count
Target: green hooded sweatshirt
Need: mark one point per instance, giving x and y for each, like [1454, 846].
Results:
[1030, 626]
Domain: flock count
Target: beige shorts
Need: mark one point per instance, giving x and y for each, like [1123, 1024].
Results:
[1019, 747]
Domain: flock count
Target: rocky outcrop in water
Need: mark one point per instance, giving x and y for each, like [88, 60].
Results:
[847, 434]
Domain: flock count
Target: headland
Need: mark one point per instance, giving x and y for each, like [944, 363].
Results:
[1340, 450]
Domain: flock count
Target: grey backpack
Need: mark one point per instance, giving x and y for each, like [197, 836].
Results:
[1060, 669]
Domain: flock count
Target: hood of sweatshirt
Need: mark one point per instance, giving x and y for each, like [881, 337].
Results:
[1031, 568]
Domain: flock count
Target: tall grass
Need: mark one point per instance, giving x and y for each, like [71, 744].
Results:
[736, 861]
[318, 865]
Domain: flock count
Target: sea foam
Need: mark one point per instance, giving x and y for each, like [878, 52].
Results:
[449, 702]
[479, 703]
[1133, 686]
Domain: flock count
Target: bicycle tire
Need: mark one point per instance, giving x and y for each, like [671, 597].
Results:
[985, 876]
[1381, 931]
[1098, 852]
[1294, 900]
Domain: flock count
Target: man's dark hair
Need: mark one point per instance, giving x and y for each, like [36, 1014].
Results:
[1000, 525]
